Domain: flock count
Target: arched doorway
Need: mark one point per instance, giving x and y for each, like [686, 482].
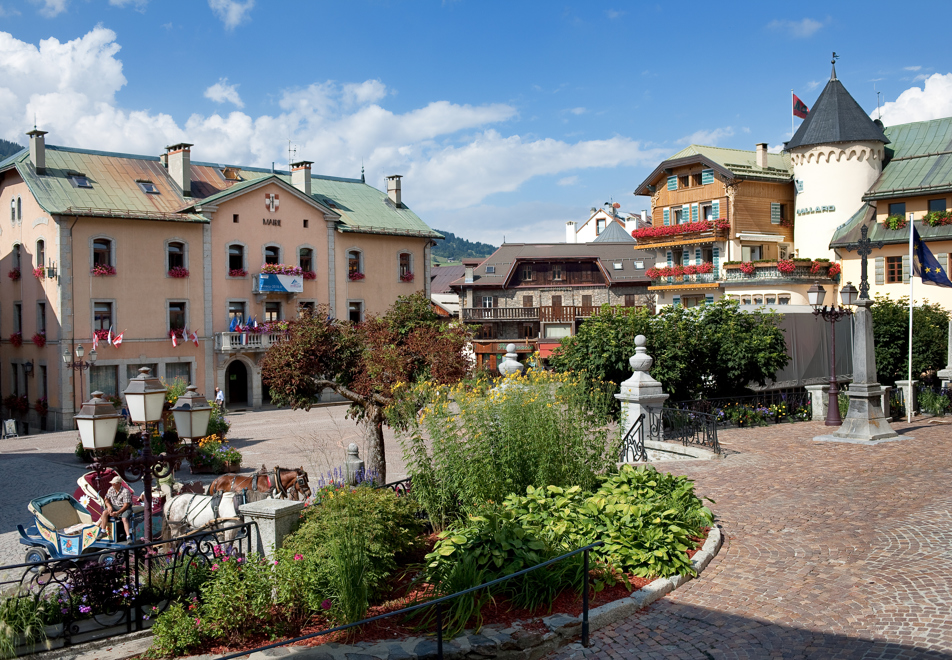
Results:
[236, 383]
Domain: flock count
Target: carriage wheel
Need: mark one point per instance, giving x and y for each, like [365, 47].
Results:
[107, 559]
[35, 555]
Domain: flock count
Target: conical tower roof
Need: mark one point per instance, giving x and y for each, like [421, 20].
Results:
[836, 117]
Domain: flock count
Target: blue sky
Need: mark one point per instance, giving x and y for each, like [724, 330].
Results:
[506, 118]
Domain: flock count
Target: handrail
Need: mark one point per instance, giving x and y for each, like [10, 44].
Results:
[438, 603]
[634, 440]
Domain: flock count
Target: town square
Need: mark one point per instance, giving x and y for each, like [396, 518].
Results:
[483, 331]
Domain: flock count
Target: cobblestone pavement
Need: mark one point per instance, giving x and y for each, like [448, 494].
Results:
[36, 465]
[831, 551]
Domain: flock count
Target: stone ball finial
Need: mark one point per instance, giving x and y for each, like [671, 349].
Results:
[511, 365]
[640, 361]
[353, 450]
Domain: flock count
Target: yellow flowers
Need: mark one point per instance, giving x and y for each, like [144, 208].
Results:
[211, 439]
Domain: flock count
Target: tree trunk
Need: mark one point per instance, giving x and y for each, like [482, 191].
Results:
[376, 456]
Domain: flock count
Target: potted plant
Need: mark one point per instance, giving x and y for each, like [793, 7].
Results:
[40, 339]
[747, 268]
[103, 270]
[786, 266]
[895, 222]
[237, 272]
[406, 277]
[178, 272]
[14, 274]
[16, 339]
[39, 272]
[356, 276]
[309, 275]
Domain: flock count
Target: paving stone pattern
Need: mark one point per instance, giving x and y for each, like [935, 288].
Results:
[830, 551]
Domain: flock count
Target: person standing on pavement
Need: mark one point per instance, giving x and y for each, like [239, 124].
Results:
[219, 397]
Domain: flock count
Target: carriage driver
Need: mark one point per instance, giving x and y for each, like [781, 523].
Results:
[118, 505]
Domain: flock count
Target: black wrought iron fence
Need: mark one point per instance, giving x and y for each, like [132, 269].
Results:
[633, 443]
[119, 590]
[767, 407]
[686, 426]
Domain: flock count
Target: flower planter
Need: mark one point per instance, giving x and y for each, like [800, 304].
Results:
[227, 468]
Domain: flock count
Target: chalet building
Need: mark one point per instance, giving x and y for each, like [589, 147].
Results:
[601, 219]
[533, 295]
[149, 246]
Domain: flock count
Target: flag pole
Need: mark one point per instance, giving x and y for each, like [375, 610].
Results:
[910, 398]
[791, 113]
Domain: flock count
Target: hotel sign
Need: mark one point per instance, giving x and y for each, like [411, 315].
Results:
[816, 209]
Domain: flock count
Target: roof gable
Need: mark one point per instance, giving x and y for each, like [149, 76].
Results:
[614, 233]
[730, 163]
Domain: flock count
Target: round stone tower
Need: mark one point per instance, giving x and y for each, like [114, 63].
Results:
[837, 155]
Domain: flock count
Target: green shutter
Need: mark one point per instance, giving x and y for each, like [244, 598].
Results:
[694, 213]
[716, 209]
[880, 268]
[707, 176]
[672, 183]
[669, 259]
[686, 258]
[709, 298]
[667, 216]
[697, 255]
[676, 301]
[905, 269]
[685, 213]
[717, 259]
[774, 213]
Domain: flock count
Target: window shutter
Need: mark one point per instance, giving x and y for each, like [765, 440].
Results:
[495, 302]
[880, 268]
[716, 209]
[774, 213]
[685, 257]
[667, 216]
[707, 176]
[676, 300]
[694, 212]
[670, 263]
[944, 262]
[685, 213]
[905, 269]
[672, 183]
[697, 255]
[717, 259]
[709, 299]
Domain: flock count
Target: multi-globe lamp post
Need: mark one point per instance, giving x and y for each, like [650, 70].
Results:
[816, 295]
[98, 422]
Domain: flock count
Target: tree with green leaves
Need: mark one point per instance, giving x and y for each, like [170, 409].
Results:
[707, 351]
[930, 332]
[364, 362]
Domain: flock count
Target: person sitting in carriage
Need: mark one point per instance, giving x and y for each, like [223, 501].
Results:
[118, 503]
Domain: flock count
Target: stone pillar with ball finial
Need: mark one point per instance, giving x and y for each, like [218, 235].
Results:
[641, 393]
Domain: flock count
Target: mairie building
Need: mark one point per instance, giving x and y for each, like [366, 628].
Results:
[155, 246]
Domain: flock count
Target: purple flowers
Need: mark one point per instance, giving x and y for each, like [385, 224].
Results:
[326, 604]
[85, 609]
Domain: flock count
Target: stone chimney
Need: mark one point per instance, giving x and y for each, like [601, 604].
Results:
[301, 176]
[571, 235]
[38, 150]
[762, 154]
[644, 216]
[179, 164]
[393, 188]
[469, 266]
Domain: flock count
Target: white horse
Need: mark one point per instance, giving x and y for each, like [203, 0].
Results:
[189, 513]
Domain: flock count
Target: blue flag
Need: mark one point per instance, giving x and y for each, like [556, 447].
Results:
[234, 324]
[924, 263]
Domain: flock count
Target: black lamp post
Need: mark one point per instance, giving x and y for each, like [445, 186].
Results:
[79, 364]
[816, 294]
[145, 399]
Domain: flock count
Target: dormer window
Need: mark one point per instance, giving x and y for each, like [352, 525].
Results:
[147, 187]
[490, 270]
[231, 174]
[617, 265]
[78, 179]
[527, 272]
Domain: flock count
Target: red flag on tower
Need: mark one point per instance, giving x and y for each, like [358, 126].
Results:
[800, 108]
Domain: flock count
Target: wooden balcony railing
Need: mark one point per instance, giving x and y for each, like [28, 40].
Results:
[685, 238]
[500, 313]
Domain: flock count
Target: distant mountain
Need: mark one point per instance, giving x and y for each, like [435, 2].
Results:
[8, 148]
[454, 248]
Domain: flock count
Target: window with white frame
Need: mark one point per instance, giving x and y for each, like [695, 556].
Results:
[355, 311]
[236, 311]
[19, 209]
[272, 312]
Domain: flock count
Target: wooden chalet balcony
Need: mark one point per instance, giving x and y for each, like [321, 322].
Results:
[550, 314]
[247, 341]
[566, 313]
[769, 273]
[684, 238]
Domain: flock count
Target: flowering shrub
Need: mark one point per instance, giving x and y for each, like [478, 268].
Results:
[218, 424]
[834, 270]
[39, 272]
[40, 339]
[103, 270]
[786, 266]
[14, 274]
[686, 228]
[818, 265]
[16, 339]
[281, 269]
[309, 275]
[938, 218]
[178, 272]
[895, 222]
[705, 268]
[355, 276]
[406, 277]
[215, 453]
[237, 272]
[274, 326]
[747, 268]
[42, 406]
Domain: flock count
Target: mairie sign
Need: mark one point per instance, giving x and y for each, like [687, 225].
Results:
[271, 283]
[816, 209]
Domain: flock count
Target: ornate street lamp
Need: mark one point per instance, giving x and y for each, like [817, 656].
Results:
[816, 295]
[145, 399]
[79, 364]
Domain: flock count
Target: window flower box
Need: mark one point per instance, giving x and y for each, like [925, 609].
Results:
[356, 276]
[103, 270]
[16, 339]
[678, 271]
[652, 234]
[747, 268]
[178, 272]
[786, 266]
[14, 274]
[406, 277]
[281, 269]
[237, 272]
[834, 271]
[42, 406]
[938, 218]
[895, 222]
[102, 335]
[309, 275]
[39, 273]
[40, 339]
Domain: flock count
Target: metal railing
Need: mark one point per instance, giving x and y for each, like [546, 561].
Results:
[247, 341]
[439, 602]
[633, 444]
[770, 274]
[120, 590]
[685, 426]
[770, 405]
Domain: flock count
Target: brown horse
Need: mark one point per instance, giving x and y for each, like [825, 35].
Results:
[280, 482]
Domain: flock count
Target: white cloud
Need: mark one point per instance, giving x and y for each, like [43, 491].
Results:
[912, 68]
[921, 76]
[51, 8]
[454, 155]
[796, 29]
[568, 181]
[933, 101]
[614, 13]
[709, 138]
[776, 149]
[524, 222]
[578, 111]
[221, 92]
[4, 12]
[813, 84]
[138, 5]
[231, 12]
